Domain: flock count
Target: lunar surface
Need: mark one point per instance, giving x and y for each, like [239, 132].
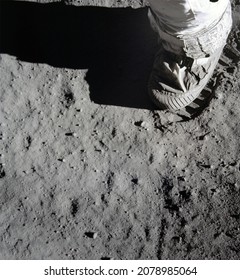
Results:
[89, 167]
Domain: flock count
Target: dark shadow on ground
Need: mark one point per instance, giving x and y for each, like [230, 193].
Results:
[116, 45]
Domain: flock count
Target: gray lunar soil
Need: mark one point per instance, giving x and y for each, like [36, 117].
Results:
[89, 168]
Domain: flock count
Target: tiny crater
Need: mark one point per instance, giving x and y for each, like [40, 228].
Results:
[176, 239]
[74, 207]
[151, 159]
[110, 182]
[2, 171]
[104, 199]
[68, 99]
[199, 164]
[110, 179]
[139, 123]
[216, 235]
[90, 234]
[69, 134]
[28, 142]
[147, 233]
[134, 181]
[114, 132]
[167, 186]
[181, 179]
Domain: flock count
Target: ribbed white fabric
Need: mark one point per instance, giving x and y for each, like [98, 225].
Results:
[182, 17]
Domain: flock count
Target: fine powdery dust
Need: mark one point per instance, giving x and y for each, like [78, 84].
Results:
[89, 168]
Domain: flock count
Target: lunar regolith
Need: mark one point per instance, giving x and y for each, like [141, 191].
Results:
[89, 168]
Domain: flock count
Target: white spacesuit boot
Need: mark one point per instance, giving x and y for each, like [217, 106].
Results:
[192, 35]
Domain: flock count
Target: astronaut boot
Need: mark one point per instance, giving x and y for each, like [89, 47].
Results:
[185, 63]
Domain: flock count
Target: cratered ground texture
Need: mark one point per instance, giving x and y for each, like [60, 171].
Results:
[89, 168]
